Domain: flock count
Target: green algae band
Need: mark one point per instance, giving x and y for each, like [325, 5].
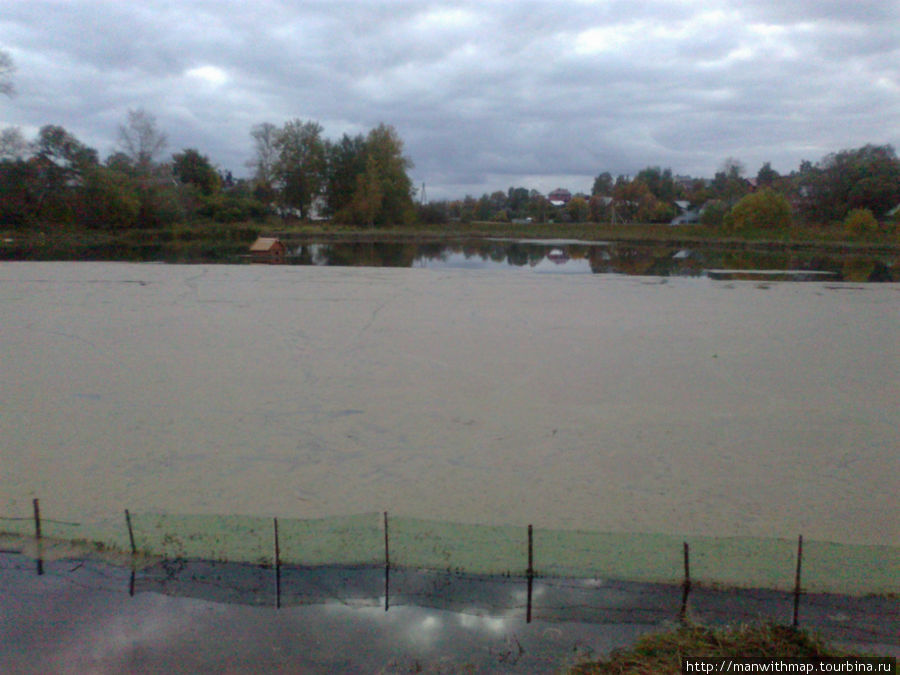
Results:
[487, 549]
[344, 540]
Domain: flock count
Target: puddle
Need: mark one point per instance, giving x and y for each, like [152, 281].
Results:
[86, 616]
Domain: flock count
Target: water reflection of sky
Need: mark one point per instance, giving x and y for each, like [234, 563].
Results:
[461, 261]
[562, 256]
[563, 266]
[547, 265]
[79, 618]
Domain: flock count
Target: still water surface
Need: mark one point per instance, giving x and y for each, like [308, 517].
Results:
[560, 256]
[566, 256]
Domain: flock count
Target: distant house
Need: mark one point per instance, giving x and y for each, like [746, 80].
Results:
[559, 197]
[267, 250]
[687, 182]
[686, 218]
[317, 209]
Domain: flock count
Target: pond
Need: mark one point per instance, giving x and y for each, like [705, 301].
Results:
[581, 257]
[681, 405]
[540, 256]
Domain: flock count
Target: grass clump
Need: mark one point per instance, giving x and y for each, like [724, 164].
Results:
[661, 653]
[860, 223]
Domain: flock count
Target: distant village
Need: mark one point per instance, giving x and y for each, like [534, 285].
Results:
[864, 179]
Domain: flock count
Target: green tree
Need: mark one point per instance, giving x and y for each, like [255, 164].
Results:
[484, 210]
[732, 167]
[346, 161]
[698, 192]
[603, 185]
[434, 213]
[299, 171]
[728, 183]
[517, 201]
[862, 178]
[385, 148]
[578, 209]
[119, 161]
[633, 200]
[659, 182]
[59, 164]
[19, 181]
[468, 209]
[767, 176]
[69, 155]
[600, 207]
[763, 210]
[367, 200]
[192, 168]
[498, 200]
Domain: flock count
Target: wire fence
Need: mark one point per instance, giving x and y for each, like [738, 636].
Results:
[397, 544]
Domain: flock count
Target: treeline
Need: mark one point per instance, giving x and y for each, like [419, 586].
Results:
[55, 179]
[357, 179]
[363, 180]
[861, 184]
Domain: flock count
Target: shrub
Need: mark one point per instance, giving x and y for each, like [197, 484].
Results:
[713, 213]
[110, 200]
[763, 210]
[663, 213]
[231, 208]
[893, 224]
[160, 206]
[860, 222]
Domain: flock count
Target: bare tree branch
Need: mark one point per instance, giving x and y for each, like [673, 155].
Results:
[140, 139]
[7, 68]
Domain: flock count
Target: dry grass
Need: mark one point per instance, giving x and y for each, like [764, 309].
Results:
[661, 653]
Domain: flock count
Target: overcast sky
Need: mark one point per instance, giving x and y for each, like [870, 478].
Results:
[484, 95]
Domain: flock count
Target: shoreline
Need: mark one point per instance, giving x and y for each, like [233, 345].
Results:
[53, 243]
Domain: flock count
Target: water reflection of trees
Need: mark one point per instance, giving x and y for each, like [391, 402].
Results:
[358, 254]
[646, 261]
[628, 259]
[866, 269]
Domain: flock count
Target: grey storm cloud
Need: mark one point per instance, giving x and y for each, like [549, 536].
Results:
[485, 95]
